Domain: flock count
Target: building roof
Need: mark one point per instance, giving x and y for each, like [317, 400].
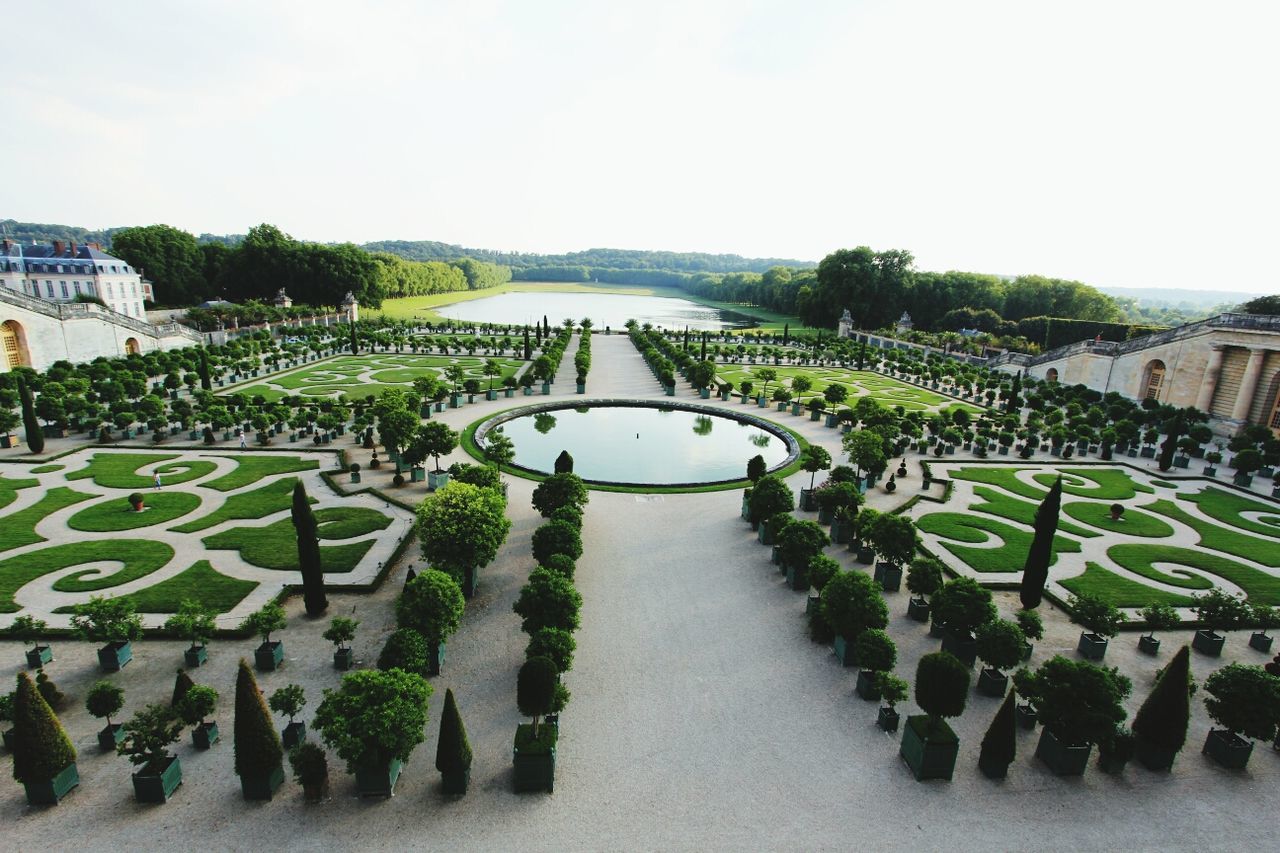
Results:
[41, 257]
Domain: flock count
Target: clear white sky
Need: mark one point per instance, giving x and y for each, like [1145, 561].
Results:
[1119, 143]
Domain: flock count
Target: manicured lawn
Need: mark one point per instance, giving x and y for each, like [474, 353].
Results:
[119, 470]
[258, 503]
[1120, 591]
[139, 557]
[47, 469]
[373, 373]
[1229, 508]
[1133, 523]
[1141, 559]
[1009, 557]
[251, 469]
[114, 514]
[857, 383]
[1264, 551]
[202, 583]
[19, 528]
[276, 545]
[1001, 478]
[9, 489]
[1105, 484]
[1023, 512]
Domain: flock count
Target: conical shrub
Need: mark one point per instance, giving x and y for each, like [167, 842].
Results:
[1000, 743]
[257, 746]
[41, 748]
[453, 751]
[1162, 720]
[181, 684]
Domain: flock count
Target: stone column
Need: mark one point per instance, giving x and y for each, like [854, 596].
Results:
[1210, 382]
[1248, 385]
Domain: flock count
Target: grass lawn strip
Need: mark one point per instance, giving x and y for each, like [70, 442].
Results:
[1133, 523]
[9, 489]
[112, 514]
[20, 528]
[251, 469]
[1007, 558]
[1023, 512]
[276, 546]
[1120, 591]
[201, 582]
[1110, 484]
[47, 469]
[1141, 559]
[1001, 478]
[119, 470]
[139, 557]
[1229, 508]
[259, 503]
[1264, 551]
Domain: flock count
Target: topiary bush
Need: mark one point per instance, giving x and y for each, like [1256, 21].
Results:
[924, 576]
[50, 691]
[258, 752]
[536, 689]
[453, 750]
[406, 649]
[556, 644]
[557, 537]
[852, 603]
[1245, 700]
[374, 717]
[1096, 614]
[942, 686]
[800, 542]
[821, 570]
[41, 748]
[548, 600]
[999, 643]
[559, 490]
[1162, 720]
[562, 563]
[1078, 702]
[874, 651]
[432, 605]
[962, 605]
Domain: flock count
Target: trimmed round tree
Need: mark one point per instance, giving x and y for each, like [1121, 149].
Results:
[961, 605]
[432, 605]
[554, 643]
[41, 748]
[104, 700]
[193, 622]
[548, 600]
[756, 466]
[557, 537]
[536, 689]
[821, 570]
[406, 650]
[453, 750]
[942, 686]
[893, 537]
[852, 603]
[1096, 614]
[258, 752]
[461, 527]
[375, 717]
[1244, 700]
[1000, 644]
[800, 542]
[559, 490]
[1077, 702]
[769, 496]
[924, 576]
[814, 458]
[1160, 726]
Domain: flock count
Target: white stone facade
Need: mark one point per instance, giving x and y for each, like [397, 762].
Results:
[61, 272]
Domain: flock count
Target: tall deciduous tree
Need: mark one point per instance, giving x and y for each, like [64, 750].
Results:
[1036, 570]
[304, 525]
[170, 257]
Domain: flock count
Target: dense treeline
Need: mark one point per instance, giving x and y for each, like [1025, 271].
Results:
[578, 263]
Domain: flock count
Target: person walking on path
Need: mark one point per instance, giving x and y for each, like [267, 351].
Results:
[158, 483]
[242, 444]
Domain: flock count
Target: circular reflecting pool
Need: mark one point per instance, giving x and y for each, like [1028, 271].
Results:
[639, 443]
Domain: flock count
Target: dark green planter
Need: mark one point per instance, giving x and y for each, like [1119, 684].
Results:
[113, 656]
[38, 656]
[378, 781]
[1062, 759]
[293, 734]
[797, 579]
[841, 531]
[157, 785]
[195, 656]
[930, 755]
[889, 576]
[455, 784]
[918, 609]
[992, 682]
[343, 659]
[534, 770]
[435, 657]
[1208, 642]
[1111, 764]
[965, 648]
[50, 792]
[1148, 645]
[844, 651]
[1027, 649]
[1226, 748]
[866, 686]
[826, 515]
[1260, 641]
[262, 787]
[268, 656]
[887, 719]
[866, 556]
[807, 502]
[109, 736]
[1092, 646]
[7, 737]
[203, 737]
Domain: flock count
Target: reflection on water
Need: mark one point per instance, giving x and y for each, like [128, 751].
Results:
[641, 445]
[604, 309]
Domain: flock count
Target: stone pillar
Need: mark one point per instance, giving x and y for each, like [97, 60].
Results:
[1248, 385]
[1209, 383]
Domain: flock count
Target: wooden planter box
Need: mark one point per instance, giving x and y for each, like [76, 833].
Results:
[343, 659]
[156, 786]
[109, 736]
[889, 576]
[866, 686]
[1025, 715]
[797, 579]
[262, 787]
[1148, 645]
[113, 656]
[930, 756]
[38, 656]
[964, 648]
[1228, 749]
[195, 656]
[437, 479]
[887, 719]
[992, 682]
[203, 737]
[379, 781]
[293, 734]
[1260, 641]
[1092, 646]
[843, 650]
[1208, 642]
[268, 656]
[918, 609]
[1062, 759]
[50, 792]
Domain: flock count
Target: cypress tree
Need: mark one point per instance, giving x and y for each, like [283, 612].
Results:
[703, 357]
[304, 524]
[41, 748]
[786, 333]
[181, 685]
[258, 752]
[1000, 743]
[453, 751]
[1174, 428]
[528, 351]
[35, 435]
[355, 344]
[1161, 723]
[202, 369]
[1036, 570]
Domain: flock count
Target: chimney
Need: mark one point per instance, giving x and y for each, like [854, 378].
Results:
[73, 248]
[7, 244]
[96, 246]
[57, 248]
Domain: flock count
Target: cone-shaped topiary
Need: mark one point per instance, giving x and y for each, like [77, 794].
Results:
[257, 746]
[35, 435]
[1162, 720]
[181, 684]
[453, 751]
[304, 525]
[1000, 743]
[50, 691]
[41, 749]
[1036, 570]
[564, 463]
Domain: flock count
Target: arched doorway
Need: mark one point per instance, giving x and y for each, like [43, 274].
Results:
[1152, 380]
[131, 347]
[1051, 375]
[13, 343]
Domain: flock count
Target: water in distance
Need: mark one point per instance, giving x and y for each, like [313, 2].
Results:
[604, 309]
[621, 444]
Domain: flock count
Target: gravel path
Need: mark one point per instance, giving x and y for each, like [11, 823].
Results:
[702, 718]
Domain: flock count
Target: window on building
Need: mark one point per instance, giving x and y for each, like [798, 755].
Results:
[89, 288]
[48, 288]
[110, 293]
[65, 294]
[76, 286]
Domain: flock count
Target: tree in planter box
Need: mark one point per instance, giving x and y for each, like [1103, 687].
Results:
[892, 690]
[894, 538]
[1160, 727]
[1219, 612]
[43, 757]
[999, 643]
[270, 617]
[453, 751]
[557, 491]
[548, 600]
[341, 631]
[310, 770]
[258, 752]
[851, 604]
[556, 644]
[194, 623]
[196, 704]
[821, 570]
[431, 604]
[557, 537]
[28, 629]
[874, 652]
[1000, 743]
[960, 606]
[1078, 703]
[1101, 621]
[290, 700]
[799, 542]
[461, 527]
[929, 746]
[1265, 617]
[814, 459]
[374, 721]
[147, 737]
[769, 496]
[924, 578]
[433, 439]
[112, 621]
[1032, 629]
[1245, 701]
[1158, 617]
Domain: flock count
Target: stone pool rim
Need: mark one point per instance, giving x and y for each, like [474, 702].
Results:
[793, 444]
